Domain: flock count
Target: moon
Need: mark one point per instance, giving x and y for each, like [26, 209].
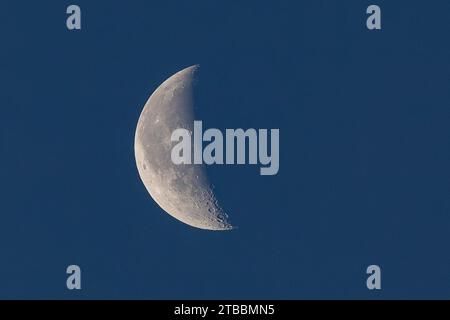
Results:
[183, 190]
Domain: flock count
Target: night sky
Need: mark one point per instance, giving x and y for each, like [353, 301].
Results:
[364, 119]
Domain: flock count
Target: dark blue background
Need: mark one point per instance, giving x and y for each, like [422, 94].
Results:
[364, 165]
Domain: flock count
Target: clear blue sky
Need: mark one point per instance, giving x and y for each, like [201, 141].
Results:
[364, 149]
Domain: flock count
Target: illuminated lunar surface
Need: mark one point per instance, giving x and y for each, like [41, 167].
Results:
[183, 191]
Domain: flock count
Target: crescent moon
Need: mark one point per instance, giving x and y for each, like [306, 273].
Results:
[183, 190]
